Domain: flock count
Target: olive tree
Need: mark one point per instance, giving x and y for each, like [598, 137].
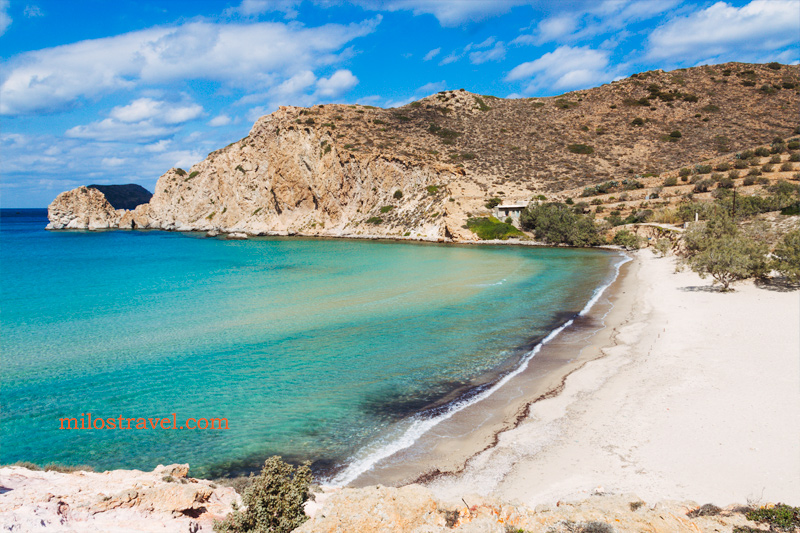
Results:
[718, 248]
[786, 257]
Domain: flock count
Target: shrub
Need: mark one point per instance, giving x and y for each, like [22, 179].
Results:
[481, 104]
[786, 257]
[627, 239]
[787, 167]
[632, 184]
[723, 167]
[777, 148]
[762, 151]
[597, 201]
[685, 172]
[580, 149]
[768, 168]
[569, 201]
[492, 203]
[718, 249]
[733, 174]
[716, 176]
[273, 501]
[710, 108]
[747, 154]
[749, 180]
[556, 223]
[193, 174]
[374, 220]
[794, 157]
[725, 183]
[489, 228]
[386, 208]
[671, 181]
[703, 185]
[638, 121]
[676, 134]
[780, 517]
[432, 189]
[793, 145]
[774, 65]
[740, 164]
[398, 194]
[754, 172]
[775, 159]
[180, 172]
[703, 169]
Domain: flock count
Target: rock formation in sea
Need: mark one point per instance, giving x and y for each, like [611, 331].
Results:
[421, 170]
[124, 196]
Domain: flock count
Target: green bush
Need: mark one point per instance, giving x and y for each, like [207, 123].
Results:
[723, 167]
[725, 183]
[676, 134]
[762, 151]
[787, 167]
[716, 176]
[558, 224]
[740, 164]
[180, 172]
[774, 65]
[193, 174]
[780, 517]
[273, 501]
[629, 240]
[754, 172]
[768, 168]
[638, 121]
[794, 157]
[432, 189]
[386, 208]
[685, 172]
[489, 228]
[580, 149]
[775, 159]
[398, 194]
[749, 180]
[703, 185]
[718, 249]
[703, 169]
[374, 220]
[671, 181]
[793, 145]
[492, 203]
[786, 256]
[734, 174]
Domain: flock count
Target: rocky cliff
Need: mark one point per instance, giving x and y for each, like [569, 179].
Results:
[124, 196]
[421, 170]
[118, 500]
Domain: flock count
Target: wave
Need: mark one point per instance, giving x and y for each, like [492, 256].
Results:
[420, 425]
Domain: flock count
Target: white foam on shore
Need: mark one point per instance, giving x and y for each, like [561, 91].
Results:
[420, 426]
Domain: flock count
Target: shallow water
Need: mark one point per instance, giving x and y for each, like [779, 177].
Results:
[312, 349]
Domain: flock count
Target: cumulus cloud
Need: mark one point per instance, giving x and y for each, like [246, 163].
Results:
[496, 53]
[723, 29]
[564, 68]
[340, 82]
[5, 19]
[549, 29]
[249, 8]
[259, 55]
[433, 53]
[219, 120]
[143, 120]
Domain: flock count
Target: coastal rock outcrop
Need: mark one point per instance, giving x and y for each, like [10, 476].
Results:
[82, 208]
[124, 196]
[118, 500]
[413, 508]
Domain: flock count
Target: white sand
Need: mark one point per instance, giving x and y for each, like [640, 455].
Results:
[698, 399]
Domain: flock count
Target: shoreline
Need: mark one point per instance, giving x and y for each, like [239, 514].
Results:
[628, 421]
[501, 405]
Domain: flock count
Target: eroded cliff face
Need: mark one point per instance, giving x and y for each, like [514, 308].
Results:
[286, 178]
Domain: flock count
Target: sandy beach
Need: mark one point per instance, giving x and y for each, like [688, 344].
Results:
[692, 394]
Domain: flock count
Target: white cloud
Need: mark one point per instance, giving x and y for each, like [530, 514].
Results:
[147, 108]
[143, 120]
[432, 87]
[249, 56]
[723, 29]
[340, 82]
[496, 53]
[219, 120]
[433, 53]
[249, 8]
[451, 58]
[450, 12]
[549, 29]
[5, 19]
[32, 11]
[113, 161]
[564, 68]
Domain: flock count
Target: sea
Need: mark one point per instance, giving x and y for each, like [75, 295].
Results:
[311, 349]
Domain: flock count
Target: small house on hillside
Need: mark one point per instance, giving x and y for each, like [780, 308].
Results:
[504, 211]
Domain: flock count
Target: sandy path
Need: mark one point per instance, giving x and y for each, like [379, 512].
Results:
[699, 398]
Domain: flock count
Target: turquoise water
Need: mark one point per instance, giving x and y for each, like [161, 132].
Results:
[311, 349]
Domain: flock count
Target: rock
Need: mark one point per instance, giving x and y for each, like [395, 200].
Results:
[236, 236]
[82, 208]
[414, 509]
[113, 501]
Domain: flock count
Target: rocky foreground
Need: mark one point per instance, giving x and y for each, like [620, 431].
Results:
[167, 500]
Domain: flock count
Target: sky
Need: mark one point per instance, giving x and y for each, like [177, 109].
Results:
[95, 91]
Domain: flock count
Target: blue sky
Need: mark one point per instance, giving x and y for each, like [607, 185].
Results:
[94, 91]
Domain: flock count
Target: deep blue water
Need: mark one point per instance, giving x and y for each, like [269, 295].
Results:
[310, 348]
